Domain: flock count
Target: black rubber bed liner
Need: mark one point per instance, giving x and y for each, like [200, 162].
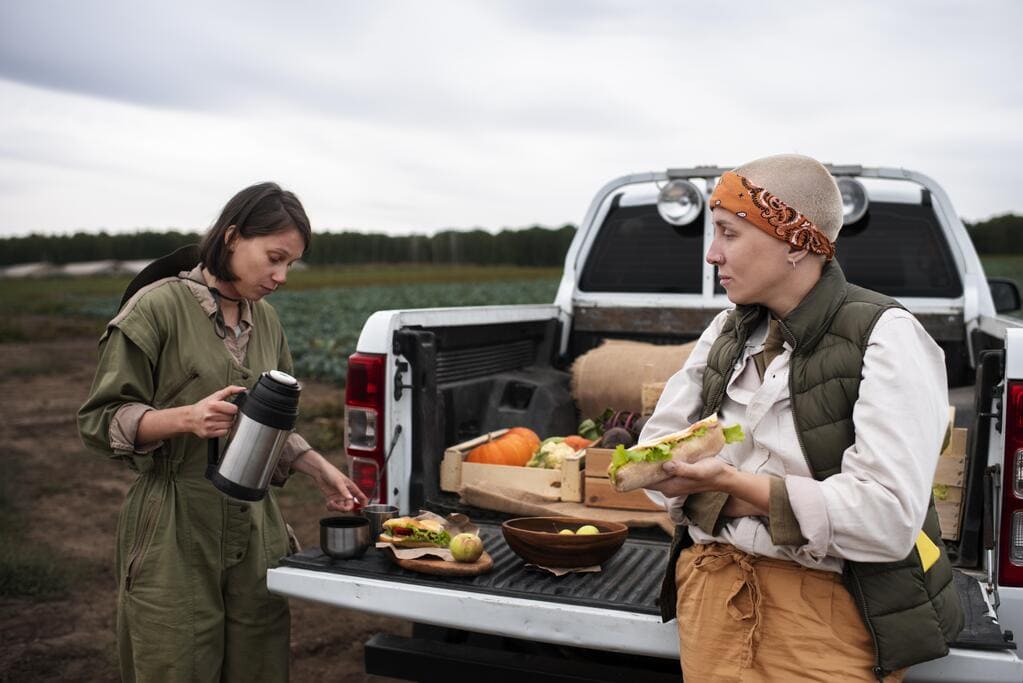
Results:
[642, 562]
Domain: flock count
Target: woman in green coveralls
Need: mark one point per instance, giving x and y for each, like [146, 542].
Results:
[192, 601]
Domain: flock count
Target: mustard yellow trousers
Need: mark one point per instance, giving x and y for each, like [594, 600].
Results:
[747, 618]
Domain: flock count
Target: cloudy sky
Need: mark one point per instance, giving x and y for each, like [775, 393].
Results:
[415, 116]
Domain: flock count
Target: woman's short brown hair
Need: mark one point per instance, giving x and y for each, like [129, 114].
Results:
[262, 209]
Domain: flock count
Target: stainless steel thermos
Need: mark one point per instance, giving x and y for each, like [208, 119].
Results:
[266, 416]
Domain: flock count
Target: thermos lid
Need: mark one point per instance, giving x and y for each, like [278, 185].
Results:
[274, 400]
[282, 378]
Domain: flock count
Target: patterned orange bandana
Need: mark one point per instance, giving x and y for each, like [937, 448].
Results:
[770, 214]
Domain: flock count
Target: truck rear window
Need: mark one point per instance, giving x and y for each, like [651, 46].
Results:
[637, 251]
[899, 250]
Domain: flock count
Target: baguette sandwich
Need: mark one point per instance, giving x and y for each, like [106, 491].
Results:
[640, 466]
[409, 532]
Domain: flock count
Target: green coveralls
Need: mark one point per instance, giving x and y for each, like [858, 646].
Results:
[192, 601]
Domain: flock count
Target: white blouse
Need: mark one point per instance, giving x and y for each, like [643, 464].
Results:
[871, 511]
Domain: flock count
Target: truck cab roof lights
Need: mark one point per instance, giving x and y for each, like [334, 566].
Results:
[679, 202]
[854, 200]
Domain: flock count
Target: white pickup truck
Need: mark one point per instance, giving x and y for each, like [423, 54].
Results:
[422, 380]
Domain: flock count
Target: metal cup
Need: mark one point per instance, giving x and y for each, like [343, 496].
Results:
[377, 514]
[344, 537]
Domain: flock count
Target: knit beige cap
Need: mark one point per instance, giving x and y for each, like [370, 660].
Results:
[802, 183]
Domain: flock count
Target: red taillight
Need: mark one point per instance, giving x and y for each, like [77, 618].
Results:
[364, 417]
[1010, 561]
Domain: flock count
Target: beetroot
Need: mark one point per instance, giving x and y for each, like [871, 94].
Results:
[617, 436]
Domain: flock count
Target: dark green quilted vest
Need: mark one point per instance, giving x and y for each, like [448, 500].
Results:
[911, 615]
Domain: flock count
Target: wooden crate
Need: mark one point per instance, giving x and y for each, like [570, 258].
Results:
[598, 489]
[948, 485]
[562, 484]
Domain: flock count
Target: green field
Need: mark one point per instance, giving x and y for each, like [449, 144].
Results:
[323, 309]
[323, 325]
[1010, 266]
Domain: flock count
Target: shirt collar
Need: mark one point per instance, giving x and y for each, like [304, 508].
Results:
[197, 283]
[758, 338]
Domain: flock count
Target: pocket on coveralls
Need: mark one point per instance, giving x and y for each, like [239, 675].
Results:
[143, 539]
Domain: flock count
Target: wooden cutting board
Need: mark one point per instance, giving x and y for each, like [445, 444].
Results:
[432, 565]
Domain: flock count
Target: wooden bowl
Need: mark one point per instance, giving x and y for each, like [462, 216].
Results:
[536, 540]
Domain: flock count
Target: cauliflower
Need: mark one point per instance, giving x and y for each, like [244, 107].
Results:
[550, 454]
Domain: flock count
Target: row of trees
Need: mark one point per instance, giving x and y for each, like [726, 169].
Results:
[535, 246]
[999, 235]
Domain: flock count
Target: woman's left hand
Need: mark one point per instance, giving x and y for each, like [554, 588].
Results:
[340, 492]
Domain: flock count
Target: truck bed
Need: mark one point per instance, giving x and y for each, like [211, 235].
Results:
[579, 610]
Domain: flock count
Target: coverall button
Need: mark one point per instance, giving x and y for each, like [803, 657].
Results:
[238, 556]
[244, 508]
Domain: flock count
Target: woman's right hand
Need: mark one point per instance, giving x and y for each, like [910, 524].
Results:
[213, 416]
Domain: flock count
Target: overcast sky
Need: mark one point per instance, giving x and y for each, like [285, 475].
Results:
[415, 116]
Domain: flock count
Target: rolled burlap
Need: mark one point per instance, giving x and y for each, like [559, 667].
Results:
[613, 375]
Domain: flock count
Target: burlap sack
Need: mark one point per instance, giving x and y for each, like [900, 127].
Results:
[613, 375]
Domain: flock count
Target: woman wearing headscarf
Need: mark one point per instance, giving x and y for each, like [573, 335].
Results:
[811, 550]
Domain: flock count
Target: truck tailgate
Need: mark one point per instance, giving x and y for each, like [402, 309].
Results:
[576, 609]
[613, 610]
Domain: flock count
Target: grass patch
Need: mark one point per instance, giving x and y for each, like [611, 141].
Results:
[1004, 265]
[25, 328]
[55, 295]
[31, 573]
[11, 331]
[34, 572]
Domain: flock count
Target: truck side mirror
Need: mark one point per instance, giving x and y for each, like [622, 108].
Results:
[1005, 293]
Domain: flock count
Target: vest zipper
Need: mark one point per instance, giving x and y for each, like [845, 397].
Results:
[795, 420]
[787, 333]
[878, 670]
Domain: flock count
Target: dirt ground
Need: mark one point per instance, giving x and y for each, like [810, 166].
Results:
[63, 503]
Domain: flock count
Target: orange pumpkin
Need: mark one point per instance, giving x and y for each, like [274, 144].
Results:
[577, 442]
[529, 434]
[508, 449]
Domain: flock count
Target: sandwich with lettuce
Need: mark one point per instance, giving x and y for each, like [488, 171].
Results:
[409, 532]
[640, 466]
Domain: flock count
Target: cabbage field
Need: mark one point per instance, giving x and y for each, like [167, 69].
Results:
[323, 325]
[323, 308]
